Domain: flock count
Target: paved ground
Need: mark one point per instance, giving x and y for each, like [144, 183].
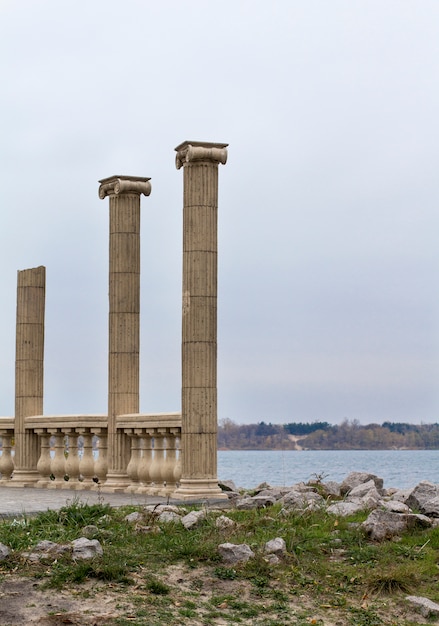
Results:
[16, 501]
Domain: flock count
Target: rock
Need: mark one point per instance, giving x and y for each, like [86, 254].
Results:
[235, 553]
[224, 523]
[84, 548]
[91, 531]
[193, 519]
[426, 606]
[357, 478]
[346, 507]
[276, 546]
[46, 550]
[367, 488]
[273, 559]
[395, 506]
[301, 499]
[274, 492]
[169, 517]
[382, 525]
[159, 508]
[331, 488]
[227, 485]
[134, 517]
[4, 552]
[431, 507]
[421, 494]
[256, 502]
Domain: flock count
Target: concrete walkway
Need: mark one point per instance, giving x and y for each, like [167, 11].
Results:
[18, 501]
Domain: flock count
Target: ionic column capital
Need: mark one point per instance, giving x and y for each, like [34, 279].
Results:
[190, 151]
[117, 185]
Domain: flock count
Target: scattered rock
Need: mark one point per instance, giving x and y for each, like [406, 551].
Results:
[345, 507]
[169, 517]
[134, 517]
[276, 546]
[426, 606]
[381, 525]
[193, 519]
[224, 523]
[255, 502]
[91, 531]
[421, 494]
[235, 553]
[357, 478]
[84, 548]
[227, 485]
[4, 552]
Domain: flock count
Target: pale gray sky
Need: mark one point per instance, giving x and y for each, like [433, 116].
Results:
[328, 216]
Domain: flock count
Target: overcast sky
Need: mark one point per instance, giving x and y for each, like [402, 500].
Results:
[328, 291]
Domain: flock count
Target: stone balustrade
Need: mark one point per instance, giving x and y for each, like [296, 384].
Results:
[73, 451]
[6, 458]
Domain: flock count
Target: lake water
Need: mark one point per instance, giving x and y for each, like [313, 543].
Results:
[398, 468]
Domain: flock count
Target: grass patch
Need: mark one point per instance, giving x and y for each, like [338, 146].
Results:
[329, 566]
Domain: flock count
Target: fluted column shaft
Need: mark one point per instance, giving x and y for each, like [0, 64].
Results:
[199, 318]
[124, 314]
[29, 369]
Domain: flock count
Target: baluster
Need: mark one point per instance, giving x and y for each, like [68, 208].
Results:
[155, 469]
[133, 465]
[58, 462]
[72, 460]
[177, 468]
[145, 463]
[6, 461]
[101, 463]
[44, 462]
[169, 463]
[86, 464]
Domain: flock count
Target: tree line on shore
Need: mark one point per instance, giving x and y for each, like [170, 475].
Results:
[349, 435]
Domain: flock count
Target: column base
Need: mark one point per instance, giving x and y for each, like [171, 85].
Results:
[199, 489]
[116, 481]
[24, 478]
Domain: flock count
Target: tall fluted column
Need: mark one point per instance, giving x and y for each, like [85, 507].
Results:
[124, 299]
[29, 367]
[199, 324]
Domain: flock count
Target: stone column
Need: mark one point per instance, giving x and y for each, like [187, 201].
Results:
[199, 324]
[29, 366]
[124, 299]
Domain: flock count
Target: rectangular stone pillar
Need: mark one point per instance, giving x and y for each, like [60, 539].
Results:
[124, 315]
[29, 370]
[199, 319]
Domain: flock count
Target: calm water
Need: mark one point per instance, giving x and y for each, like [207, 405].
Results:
[398, 468]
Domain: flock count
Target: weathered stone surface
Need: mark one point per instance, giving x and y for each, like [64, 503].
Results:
[46, 550]
[431, 507]
[169, 517]
[235, 553]
[364, 488]
[256, 502]
[227, 485]
[276, 546]
[224, 523]
[90, 531]
[301, 499]
[193, 519]
[346, 507]
[4, 552]
[421, 494]
[426, 607]
[331, 488]
[357, 478]
[381, 525]
[133, 517]
[395, 506]
[159, 508]
[84, 548]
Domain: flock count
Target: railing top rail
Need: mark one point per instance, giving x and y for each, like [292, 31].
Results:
[149, 420]
[66, 421]
[6, 423]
